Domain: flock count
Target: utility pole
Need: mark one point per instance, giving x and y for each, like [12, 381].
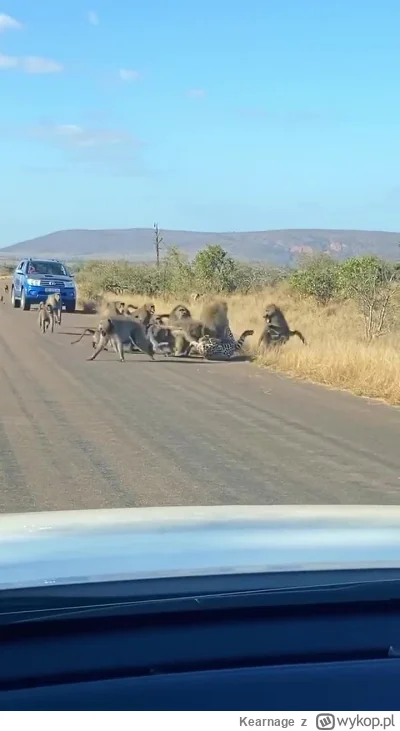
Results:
[157, 243]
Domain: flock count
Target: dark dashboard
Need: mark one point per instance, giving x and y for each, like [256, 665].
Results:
[189, 646]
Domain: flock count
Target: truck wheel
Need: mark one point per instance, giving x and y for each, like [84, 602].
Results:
[25, 305]
[14, 302]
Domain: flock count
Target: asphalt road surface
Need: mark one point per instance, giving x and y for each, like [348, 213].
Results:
[75, 434]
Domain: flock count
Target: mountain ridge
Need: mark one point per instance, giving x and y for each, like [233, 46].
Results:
[278, 246]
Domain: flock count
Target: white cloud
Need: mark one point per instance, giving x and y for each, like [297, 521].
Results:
[129, 74]
[94, 150]
[196, 93]
[39, 65]
[30, 64]
[8, 62]
[8, 23]
[93, 18]
[73, 135]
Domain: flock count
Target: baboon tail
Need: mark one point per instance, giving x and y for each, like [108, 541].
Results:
[299, 335]
[89, 330]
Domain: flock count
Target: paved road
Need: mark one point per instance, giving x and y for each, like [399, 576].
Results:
[76, 435]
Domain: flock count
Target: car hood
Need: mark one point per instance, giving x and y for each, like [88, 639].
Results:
[39, 549]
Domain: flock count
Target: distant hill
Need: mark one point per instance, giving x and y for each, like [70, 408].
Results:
[280, 248]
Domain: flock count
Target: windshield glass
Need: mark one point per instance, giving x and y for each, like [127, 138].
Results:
[222, 181]
[54, 268]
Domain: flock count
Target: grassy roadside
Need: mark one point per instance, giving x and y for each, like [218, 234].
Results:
[336, 354]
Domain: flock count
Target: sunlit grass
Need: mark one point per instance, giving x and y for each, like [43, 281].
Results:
[336, 353]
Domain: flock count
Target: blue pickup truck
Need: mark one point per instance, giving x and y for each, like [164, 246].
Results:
[34, 279]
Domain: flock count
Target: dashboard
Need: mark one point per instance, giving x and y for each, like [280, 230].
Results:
[244, 656]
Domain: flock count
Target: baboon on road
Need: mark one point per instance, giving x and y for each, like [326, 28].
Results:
[55, 301]
[117, 331]
[161, 336]
[46, 317]
[6, 288]
[276, 330]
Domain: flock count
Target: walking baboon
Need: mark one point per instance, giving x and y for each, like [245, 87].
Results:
[46, 317]
[118, 330]
[56, 304]
[6, 287]
[276, 330]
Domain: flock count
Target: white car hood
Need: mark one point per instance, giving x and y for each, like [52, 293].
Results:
[39, 549]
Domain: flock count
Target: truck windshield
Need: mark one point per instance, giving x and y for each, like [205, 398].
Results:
[54, 268]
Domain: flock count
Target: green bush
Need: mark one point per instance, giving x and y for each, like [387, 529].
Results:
[317, 277]
[373, 285]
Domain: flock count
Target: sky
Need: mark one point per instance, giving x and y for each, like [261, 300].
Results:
[208, 115]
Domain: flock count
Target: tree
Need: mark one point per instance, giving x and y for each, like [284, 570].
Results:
[371, 283]
[157, 243]
[215, 269]
[178, 273]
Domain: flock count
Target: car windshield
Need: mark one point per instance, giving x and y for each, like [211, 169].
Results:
[54, 268]
[218, 322]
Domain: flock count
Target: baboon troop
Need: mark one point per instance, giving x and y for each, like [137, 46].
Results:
[178, 333]
[276, 331]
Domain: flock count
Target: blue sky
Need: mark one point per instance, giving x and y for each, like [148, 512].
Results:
[215, 115]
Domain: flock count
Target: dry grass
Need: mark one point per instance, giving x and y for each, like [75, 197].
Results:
[336, 354]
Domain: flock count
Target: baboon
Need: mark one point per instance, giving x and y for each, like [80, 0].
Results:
[213, 323]
[144, 314]
[2, 298]
[180, 312]
[183, 328]
[276, 330]
[56, 304]
[214, 317]
[118, 330]
[46, 317]
[184, 332]
[6, 287]
[109, 309]
[161, 337]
